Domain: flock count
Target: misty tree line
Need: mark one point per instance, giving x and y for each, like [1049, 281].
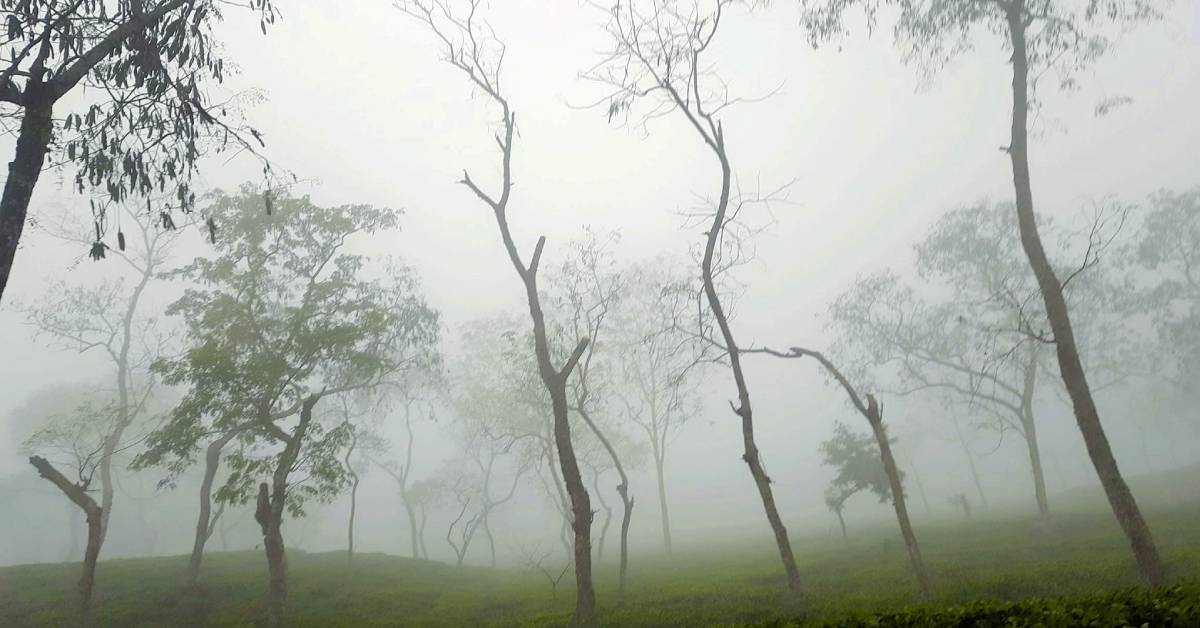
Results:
[287, 355]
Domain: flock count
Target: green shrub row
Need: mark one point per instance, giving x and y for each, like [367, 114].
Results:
[1176, 606]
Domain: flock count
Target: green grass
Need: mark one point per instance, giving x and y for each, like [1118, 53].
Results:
[990, 563]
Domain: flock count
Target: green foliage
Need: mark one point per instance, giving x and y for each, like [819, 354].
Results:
[151, 63]
[282, 311]
[856, 458]
[1170, 606]
[987, 566]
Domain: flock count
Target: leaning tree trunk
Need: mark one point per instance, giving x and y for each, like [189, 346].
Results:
[1120, 498]
[842, 523]
[204, 528]
[33, 140]
[743, 409]
[622, 490]
[78, 495]
[875, 418]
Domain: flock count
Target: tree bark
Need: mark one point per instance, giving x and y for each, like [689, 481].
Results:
[875, 418]
[607, 516]
[269, 514]
[354, 479]
[414, 531]
[743, 409]
[1029, 431]
[1087, 417]
[204, 528]
[622, 490]
[77, 493]
[33, 141]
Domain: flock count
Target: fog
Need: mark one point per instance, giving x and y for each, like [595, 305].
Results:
[863, 153]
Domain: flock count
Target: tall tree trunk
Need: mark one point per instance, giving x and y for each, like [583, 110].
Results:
[33, 140]
[487, 531]
[269, 514]
[1029, 431]
[421, 532]
[276, 557]
[607, 516]
[414, 530]
[354, 479]
[204, 528]
[1039, 476]
[743, 409]
[622, 490]
[1120, 498]
[659, 461]
[875, 418]
[970, 462]
[842, 523]
[77, 493]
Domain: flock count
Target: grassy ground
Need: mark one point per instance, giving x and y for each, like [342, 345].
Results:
[997, 559]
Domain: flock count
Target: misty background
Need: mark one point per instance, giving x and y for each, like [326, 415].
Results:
[347, 97]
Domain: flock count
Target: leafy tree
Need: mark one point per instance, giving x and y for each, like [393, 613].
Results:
[282, 317]
[1042, 35]
[145, 69]
[855, 458]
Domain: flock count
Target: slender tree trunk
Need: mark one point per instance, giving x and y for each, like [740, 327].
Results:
[659, 461]
[970, 463]
[487, 531]
[1120, 498]
[1039, 476]
[874, 414]
[33, 140]
[204, 528]
[622, 490]
[421, 532]
[354, 479]
[743, 409]
[842, 523]
[607, 516]
[1029, 428]
[77, 493]
[414, 530]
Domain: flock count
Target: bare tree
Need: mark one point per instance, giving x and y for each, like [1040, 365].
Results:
[659, 363]
[1042, 35]
[471, 47]
[872, 411]
[659, 55]
[535, 559]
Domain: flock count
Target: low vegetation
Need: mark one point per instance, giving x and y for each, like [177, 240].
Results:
[991, 572]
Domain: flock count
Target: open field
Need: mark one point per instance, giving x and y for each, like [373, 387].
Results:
[1001, 558]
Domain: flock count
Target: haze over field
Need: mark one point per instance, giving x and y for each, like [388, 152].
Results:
[337, 304]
